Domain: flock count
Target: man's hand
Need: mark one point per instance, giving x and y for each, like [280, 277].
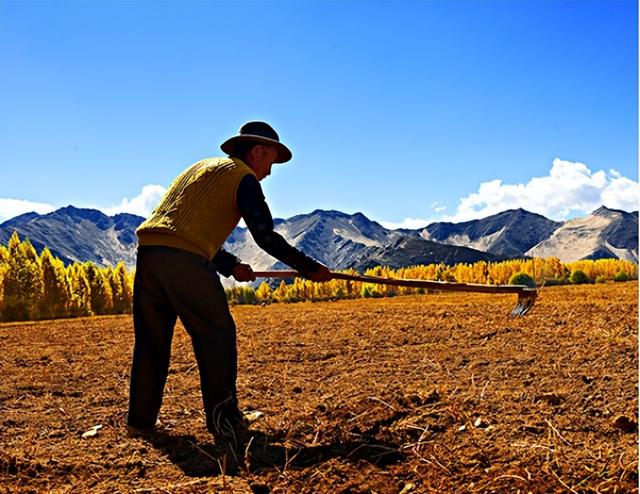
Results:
[320, 274]
[243, 272]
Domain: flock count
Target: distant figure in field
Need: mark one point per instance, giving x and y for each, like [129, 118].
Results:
[179, 257]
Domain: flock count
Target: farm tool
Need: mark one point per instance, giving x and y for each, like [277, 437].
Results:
[526, 295]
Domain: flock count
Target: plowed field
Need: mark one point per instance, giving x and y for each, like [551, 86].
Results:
[434, 393]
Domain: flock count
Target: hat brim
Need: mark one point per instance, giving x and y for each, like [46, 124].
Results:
[284, 154]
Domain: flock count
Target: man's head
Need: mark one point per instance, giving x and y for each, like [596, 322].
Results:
[259, 157]
[259, 146]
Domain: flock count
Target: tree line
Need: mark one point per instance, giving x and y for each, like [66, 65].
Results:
[549, 271]
[36, 286]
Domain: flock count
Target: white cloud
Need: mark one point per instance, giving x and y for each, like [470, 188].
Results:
[10, 208]
[411, 223]
[622, 193]
[570, 189]
[415, 223]
[142, 204]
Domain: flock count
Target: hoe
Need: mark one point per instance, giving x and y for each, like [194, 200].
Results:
[526, 295]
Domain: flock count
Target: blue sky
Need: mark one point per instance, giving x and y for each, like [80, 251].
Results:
[409, 112]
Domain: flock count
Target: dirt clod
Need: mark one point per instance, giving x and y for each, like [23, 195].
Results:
[258, 488]
[550, 398]
[625, 424]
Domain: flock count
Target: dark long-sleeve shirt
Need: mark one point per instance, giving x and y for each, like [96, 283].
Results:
[257, 216]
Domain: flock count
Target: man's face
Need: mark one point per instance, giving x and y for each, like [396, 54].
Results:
[261, 159]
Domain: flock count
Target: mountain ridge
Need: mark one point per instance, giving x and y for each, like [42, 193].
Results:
[508, 233]
[343, 240]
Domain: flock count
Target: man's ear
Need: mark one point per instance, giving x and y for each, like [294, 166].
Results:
[252, 154]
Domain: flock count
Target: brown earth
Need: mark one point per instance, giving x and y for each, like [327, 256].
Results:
[433, 393]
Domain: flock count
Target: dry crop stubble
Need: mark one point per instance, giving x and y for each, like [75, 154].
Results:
[432, 393]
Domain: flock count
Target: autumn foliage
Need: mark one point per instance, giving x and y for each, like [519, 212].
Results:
[36, 286]
[541, 271]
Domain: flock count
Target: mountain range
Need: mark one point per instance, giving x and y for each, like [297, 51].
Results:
[77, 235]
[343, 241]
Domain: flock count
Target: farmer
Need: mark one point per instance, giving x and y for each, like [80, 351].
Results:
[179, 258]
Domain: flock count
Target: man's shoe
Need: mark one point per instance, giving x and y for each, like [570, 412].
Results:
[134, 432]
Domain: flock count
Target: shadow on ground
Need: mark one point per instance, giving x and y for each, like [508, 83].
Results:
[263, 452]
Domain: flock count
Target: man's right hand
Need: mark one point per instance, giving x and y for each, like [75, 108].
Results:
[322, 273]
[243, 272]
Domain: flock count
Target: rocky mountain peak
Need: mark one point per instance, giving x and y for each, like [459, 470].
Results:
[509, 233]
[607, 212]
[79, 214]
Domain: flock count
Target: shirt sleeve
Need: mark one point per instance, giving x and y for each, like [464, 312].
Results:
[224, 262]
[257, 216]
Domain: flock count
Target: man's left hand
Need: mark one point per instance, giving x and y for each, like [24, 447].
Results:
[321, 274]
[243, 272]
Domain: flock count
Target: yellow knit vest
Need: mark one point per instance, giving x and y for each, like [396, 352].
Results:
[199, 210]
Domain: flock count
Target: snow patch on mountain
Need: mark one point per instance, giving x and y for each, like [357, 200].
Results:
[484, 243]
[356, 237]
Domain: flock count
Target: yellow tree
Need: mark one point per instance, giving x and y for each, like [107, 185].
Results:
[295, 292]
[337, 288]
[464, 273]
[22, 288]
[377, 290]
[264, 292]
[351, 288]
[480, 271]
[554, 269]
[101, 298]
[80, 299]
[325, 291]
[281, 292]
[121, 289]
[55, 287]
[4, 259]
[309, 290]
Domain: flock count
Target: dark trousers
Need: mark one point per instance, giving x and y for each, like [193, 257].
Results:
[171, 283]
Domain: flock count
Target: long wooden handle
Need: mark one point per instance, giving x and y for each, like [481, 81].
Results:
[436, 285]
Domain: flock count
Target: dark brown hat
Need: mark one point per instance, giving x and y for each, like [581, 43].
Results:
[260, 133]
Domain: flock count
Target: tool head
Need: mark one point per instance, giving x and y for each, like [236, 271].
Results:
[526, 299]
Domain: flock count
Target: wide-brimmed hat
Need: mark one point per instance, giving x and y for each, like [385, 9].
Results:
[261, 133]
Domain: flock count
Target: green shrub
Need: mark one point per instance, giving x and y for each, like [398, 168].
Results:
[555, 282]
[241, 295]
[366, 291]
[522, 279]
[621, 276]
[601, 279]
[579, 277]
